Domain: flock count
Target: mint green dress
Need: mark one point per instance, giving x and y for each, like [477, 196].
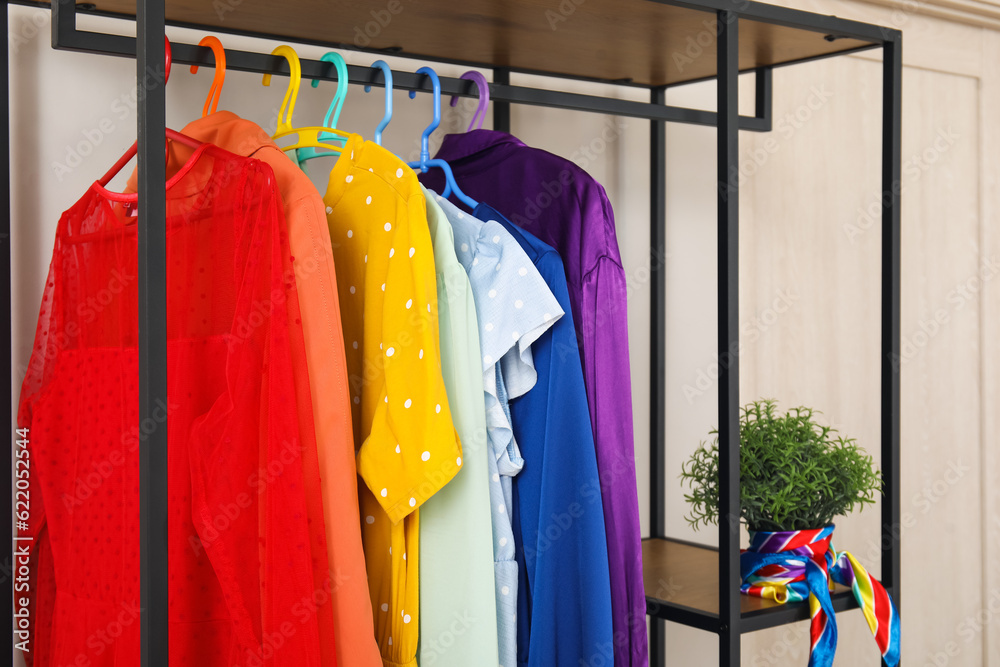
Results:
[458, 616]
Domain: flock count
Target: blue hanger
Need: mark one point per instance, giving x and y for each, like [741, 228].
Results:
[333, 113]
[449, 178]
[387, 73]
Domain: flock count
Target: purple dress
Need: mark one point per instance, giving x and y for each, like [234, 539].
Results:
[566, 208]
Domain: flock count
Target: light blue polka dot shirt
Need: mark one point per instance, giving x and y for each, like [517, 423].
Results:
[514, 306]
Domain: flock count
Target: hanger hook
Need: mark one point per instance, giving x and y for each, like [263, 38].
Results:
[333, 113]
[215, 92]
[169, 58]
[294, 81]
[425, 153]
[387, 75]
[484, 98]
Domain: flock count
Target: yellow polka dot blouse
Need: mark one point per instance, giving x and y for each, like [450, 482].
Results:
[407, 447]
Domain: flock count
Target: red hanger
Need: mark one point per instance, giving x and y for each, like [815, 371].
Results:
[171, 135]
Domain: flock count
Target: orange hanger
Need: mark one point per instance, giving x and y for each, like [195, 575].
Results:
[215, 92]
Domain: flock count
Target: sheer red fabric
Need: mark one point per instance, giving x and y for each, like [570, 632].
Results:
[247, 572]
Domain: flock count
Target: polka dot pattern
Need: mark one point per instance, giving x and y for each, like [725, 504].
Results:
[514, 307]
[465, 519]
[405, 449]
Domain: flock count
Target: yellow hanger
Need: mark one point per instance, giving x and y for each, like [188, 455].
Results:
[308, 136]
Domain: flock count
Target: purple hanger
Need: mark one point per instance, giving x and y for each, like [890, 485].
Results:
[484, 98]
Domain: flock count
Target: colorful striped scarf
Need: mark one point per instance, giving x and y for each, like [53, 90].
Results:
[791, 566]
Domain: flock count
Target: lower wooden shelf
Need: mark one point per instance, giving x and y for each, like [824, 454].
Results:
[682, 585]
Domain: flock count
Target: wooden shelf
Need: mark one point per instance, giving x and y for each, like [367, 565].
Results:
[682, 585]
[648, 43]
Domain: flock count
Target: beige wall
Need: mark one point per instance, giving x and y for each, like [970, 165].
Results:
[809, 273]
[809, 250]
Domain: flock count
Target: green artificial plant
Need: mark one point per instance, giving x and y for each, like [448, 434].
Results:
[795, 474]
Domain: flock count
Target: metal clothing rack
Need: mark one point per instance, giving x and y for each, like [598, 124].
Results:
[647, 32]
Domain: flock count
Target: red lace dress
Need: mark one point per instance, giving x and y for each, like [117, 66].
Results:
[247, 566]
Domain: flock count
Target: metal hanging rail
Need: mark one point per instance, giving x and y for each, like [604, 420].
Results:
[65, 35]
[728, 622]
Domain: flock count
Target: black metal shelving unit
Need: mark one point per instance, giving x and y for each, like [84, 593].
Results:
[777, 36]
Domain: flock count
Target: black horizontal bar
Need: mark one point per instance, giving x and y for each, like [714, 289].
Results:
[792, 18]
[786, 63]
[90, 10]
[262, 63]
[760, 619]
[678, 613]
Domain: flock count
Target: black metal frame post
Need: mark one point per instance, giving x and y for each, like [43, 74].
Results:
[657, 317]
[153, 496]
[892, 79]
[729, 311]
[763, 98]
[501, 109]
[9, 567]
[657, 346]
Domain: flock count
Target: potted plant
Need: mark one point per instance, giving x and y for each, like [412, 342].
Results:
[796, 476]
